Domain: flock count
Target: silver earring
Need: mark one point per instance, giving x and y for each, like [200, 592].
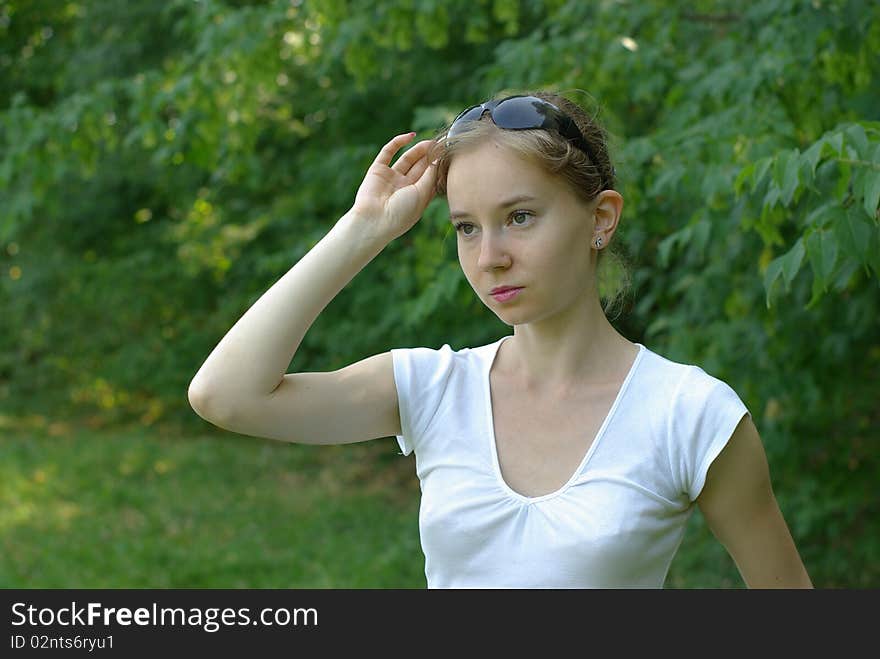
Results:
[599, 242]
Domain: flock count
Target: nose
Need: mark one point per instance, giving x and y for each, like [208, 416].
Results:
[493, 252]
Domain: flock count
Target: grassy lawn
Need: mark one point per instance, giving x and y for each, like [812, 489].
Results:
[132, 509]
[135, 508]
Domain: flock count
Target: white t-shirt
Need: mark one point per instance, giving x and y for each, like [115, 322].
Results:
[619, 519]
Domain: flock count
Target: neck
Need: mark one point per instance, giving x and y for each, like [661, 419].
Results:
[568, 352]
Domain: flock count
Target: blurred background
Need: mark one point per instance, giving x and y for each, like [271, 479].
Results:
[164, 162]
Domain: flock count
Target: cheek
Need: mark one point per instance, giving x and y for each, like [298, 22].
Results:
[566, 251]
[468, 265]
[567, 262]
[467, 260]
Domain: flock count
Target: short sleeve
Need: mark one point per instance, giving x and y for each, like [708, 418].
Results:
[706, 411]
[421, 376]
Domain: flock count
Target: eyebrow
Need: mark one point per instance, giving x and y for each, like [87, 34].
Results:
[454, 215]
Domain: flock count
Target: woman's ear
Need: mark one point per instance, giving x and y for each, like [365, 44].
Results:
[606, 213]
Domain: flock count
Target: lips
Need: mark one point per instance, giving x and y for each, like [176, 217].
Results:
[506, 293]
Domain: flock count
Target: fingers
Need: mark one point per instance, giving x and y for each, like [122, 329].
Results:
[411, 157]
[427, 179]
[392, 147]
[413, 166]
[417, 169]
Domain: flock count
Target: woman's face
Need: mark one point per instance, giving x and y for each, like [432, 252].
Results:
[519, 227]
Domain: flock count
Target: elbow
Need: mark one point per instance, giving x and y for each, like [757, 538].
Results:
[204, 403]
[198, 399]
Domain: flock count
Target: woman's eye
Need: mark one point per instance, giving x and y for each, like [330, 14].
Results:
[523, 214]
[460, 227]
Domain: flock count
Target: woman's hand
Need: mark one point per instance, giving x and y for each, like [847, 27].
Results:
[392, 198]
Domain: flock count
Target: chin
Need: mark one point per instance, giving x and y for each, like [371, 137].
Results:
[500, 314]
[511, 319]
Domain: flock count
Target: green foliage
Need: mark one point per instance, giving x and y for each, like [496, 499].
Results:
[163, 163]
[835, 185]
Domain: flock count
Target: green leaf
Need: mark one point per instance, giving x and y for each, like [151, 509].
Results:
[819, 289]
[822, 249]
[791, 178]
[701, 232]
[858, 139]
[844, 276]
[843, 181]
[761, 168]
[872, 192]
[859, 183]
[835, 141]
[820, 216]
[774, 269]
[747, 173]
[657, 326]
[853, 233]
[714, 180]
[873, 252]
[791, 262]
[780, 168]
[769, 200]
[666, 245]
[813, 155]
[668, 179]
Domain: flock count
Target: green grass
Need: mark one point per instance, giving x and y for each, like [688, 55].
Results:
[135, 508]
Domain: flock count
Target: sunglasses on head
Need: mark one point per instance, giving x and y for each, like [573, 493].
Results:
[524, 113]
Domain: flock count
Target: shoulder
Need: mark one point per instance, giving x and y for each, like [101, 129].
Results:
[700, 401]
[703, 414]
[426, 377]
[659, 376]
[686, 383]
[422, 358]
[445, 355]
[423, 368]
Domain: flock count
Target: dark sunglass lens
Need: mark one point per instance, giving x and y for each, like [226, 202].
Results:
[471, 114]
[522, 112]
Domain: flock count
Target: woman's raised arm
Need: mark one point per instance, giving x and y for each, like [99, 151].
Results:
[247, 368]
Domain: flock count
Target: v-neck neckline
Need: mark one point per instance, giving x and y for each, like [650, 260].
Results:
[592, 448]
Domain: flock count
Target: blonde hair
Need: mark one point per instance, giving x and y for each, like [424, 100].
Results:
[558, 157]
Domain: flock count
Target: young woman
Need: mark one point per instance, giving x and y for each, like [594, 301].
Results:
[562, 455]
